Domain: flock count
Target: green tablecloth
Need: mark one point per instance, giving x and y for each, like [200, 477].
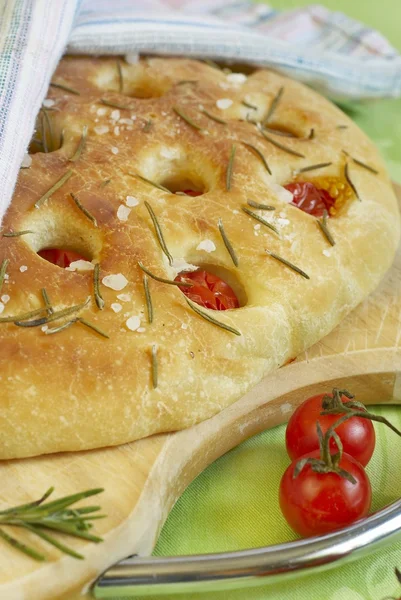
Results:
[233, 504]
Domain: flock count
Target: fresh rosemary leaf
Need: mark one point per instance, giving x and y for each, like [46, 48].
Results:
[114, 104]
[31, 552]
[286, 134]
[274, 104]
[65, 88]
[162, 280]
[148, 125]
[288, 264]
[185, 81]
[178, 111]
[209, 318]
[260, 219]
[93, 327]
[365, 166]
[323, 226]
[105, 182]
[159, 233]
[83, 209]
[81, 145]
[148, 297]
[155, 366]
[230, 167]
[227, 243]
[146, 180]
[120, 77]
[213, 117]
[260, 154]
[313, 167]
[52, 541]
[60, 327]
[281, 146]
[47, 302]
[65, 312]
[54, 188]
[24, 316]
[249, 105]
[260, 206]
[11, 234]
[350, 182]
[342, 127]
[96, 287]
[3, 270]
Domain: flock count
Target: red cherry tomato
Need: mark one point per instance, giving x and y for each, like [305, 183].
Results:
[316, 503]
[208, 290]
[309, 198]
[192, 193]
[61, 258]
[357, 434]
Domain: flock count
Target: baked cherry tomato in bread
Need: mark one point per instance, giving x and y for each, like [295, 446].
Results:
[208, 290]
[309, 198]
[357, 434]
[192, 193]
[61, 258]
[315, 503]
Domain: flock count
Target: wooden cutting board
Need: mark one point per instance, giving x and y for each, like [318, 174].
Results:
[143, 480]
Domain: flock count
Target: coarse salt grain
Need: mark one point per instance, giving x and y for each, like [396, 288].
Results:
[80, 265]
[131, 201]
[1, 307]
[23, 268]
[115, 115]
[327, 252]
[115, 282]
[207, 246]
[116, 131]
[184, 326]
[44, 328]
[236, 78]
[124, 297]
[114, 150]
[133, 323]
[48, 103]
[26, 161]
[132, 59]
[141, 329]
[5, 298]
[224, 103]
[282, 222]
[101, 111]
[126, 122]
[123, 212]
[180, 264]
[116, 307]
[101, 129]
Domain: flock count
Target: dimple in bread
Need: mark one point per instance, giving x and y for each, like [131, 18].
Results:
[112, 131]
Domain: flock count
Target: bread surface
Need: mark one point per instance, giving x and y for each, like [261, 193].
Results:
[75, 389]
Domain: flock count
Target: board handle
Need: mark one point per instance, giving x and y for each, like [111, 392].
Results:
[138, 576]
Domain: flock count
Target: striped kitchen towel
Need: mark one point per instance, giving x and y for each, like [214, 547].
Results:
[330, 51]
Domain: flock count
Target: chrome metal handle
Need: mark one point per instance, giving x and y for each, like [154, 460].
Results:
[138, 576]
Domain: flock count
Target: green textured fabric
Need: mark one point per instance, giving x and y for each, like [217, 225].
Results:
[234, 503]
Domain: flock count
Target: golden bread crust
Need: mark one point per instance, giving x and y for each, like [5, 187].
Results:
[76, 390]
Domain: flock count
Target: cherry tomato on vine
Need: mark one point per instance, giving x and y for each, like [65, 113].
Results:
[61, 258]
[357, 434]
[310, 198]
[208, 290]
[316, 503]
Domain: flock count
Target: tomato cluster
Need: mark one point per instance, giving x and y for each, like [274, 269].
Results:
[330, 439]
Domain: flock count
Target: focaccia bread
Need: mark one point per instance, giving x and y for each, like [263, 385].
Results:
[160, 167]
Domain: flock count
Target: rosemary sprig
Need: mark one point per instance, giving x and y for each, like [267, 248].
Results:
[105, 182]
[65, 88]
[24, 316]
[342, 127]
[93, 327]
[288, 264]
[365, 166]
[228, 244]
[54, 188]
[146, 180]
[274, 104]
[286, 134]
[281, 146]
[213, 117]
[187, 119]
[209, 318]
[39, 517]
[350, 182]
[162, 279]
[323, 226]
[149, 303]
[120, 77]
[185, 81]
[81, 145]
[159, 233]
[249, 105]
[114, 104]
[83, 209]
[230, 167]
[65, 312]
[260, 206]
[96, 287]
[3, 270]
[148, 125]
[313, 167]
[46, 300]
[260, 154]
[155, 366]
[60, 327]
[260, 219]
[11, 234]
[72, 322]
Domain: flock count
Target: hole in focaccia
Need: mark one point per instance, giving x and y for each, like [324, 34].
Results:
[214, 287]
[135, 81]
[61, 257]
[328, 194]
[189, 186]
[47, 136]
